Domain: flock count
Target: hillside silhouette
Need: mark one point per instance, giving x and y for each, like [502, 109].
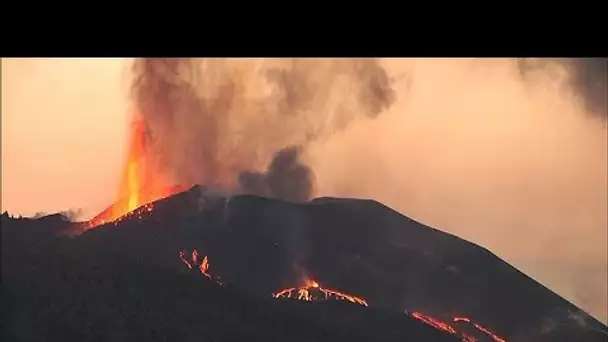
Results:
[125, 280]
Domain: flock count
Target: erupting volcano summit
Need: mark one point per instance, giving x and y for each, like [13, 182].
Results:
[360, 252]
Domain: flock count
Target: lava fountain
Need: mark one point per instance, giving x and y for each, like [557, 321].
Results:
[142, 183]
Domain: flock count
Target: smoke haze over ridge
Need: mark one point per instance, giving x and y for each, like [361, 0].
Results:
[511, 158]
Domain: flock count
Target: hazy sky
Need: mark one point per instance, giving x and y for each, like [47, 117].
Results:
[63, 133]
[512, 163]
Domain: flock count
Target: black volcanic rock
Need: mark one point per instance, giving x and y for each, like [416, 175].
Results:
[258, 246]
[58, 291]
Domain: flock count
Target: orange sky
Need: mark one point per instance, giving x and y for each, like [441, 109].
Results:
[63, 133]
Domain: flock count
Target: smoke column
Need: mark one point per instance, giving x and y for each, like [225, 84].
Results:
[588, 78]
[510, 154]
[246, 123]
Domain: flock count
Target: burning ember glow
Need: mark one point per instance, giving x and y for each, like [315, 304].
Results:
[312, 291]
[195, 262]
[450, 329]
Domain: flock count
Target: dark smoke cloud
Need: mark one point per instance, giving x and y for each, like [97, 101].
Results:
[376, 93]
[220, 122]
[588, 78]
[286, 177]
[165, 92]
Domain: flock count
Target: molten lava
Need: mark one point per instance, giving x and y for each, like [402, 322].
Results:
[435, 322]
[450, 329]
[480, 328]
[312, 291]
[142, 183]
[197, 263]
[132, 177]
[132, 185]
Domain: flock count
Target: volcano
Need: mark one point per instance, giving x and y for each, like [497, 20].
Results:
[329, 269]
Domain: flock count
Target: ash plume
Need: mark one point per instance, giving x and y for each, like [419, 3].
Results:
[286, 177]
[219, 122]
[588, 78]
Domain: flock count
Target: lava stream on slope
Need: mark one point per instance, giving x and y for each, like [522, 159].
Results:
[201, 264]
[450, 329]
[312, 291]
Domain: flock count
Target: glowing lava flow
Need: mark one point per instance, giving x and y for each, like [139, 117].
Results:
[435, 322]
[195, 262]
[312, 291]
[450, 329]
[480, 328]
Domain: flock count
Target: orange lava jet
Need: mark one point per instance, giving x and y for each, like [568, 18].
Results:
[450, 329]
[141, 184]
[132, 185]
[312, 291]
[197, 263]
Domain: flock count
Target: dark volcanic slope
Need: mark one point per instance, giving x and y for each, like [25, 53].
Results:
[54, 290]
[260, 245]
